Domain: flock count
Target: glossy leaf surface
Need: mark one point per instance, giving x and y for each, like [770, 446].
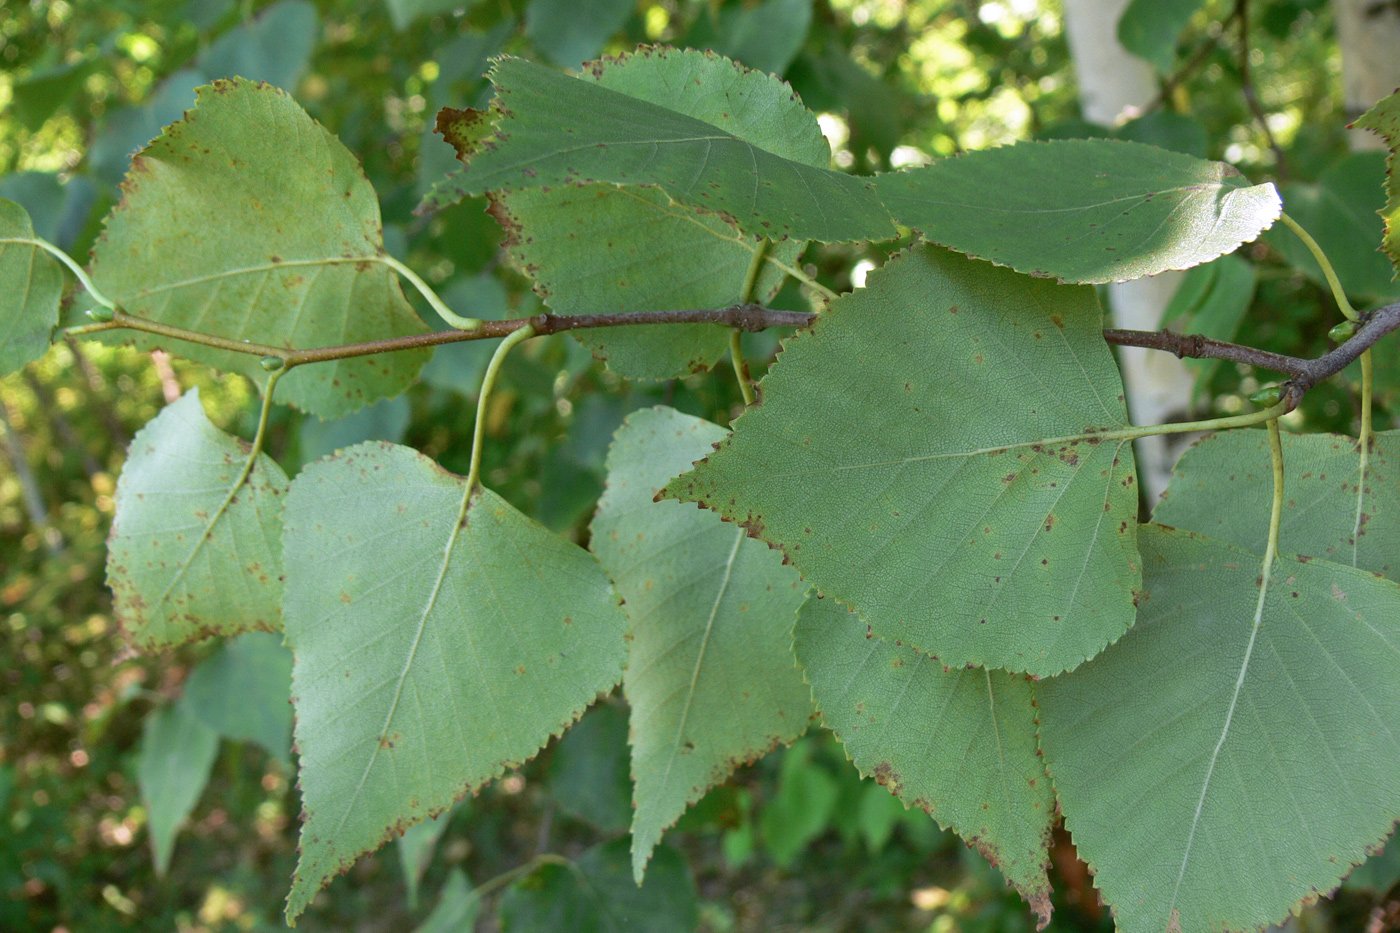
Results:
[957, 743]
[565, 131]
[196, 547]
[281, 254]
[1001, 542]
[1245, 738]
[1082, 210]
[711, 676]
[32, 284]
[434, 647]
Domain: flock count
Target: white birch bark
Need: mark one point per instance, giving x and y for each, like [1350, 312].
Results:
[1368, 32]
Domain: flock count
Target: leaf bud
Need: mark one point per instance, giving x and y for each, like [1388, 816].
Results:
[101, 315]
[1342, 332]
[1267, 396]
[272, 363]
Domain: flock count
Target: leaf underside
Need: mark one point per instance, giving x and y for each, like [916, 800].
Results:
[431, 653]
[958, 743]
[1000, 542]
[600, 248]
[711, 677]
[275, 258]
[1384, 120]
[192, 552]
[1082, 210]
[1217, 773]
[608, 136]
[31, 284]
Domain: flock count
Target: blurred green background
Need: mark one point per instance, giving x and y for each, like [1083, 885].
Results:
[796, 841]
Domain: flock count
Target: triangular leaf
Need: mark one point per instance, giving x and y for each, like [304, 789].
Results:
[1384, 120]
[558, 130]
[1082, 210]
[710, 674]
[1002, 542]
[1230, 758]
[600, 248]
[278, 258]
[196, 547]
[959, 743]
[1222, 487]
[242, 692]
[172, 768]
[435, 646]
[31, 284]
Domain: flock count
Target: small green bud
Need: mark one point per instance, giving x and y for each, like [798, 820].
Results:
[101, 315]
[272, 363]
[1267, 396]
[1342, 332]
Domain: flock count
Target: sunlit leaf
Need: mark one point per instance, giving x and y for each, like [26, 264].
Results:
[195, 548]
[558, 130]
[710, 673]
[242, 692]
[1002, 541]
[1082, 210]
[31, 284]
[958, 743]
[1232, 756]
[434, 647]
[1222, 487]
[172, 768]
[281, 253]
[600, 248]
[596, 894]
[1384, 120]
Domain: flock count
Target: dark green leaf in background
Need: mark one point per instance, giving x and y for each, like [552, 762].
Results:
[275, 47]
[958, 743]
[609, 136]
[415, 849]
[872, 463]
[1082, 210]
[765, 36]
[243, 692]
[31, 284]
[1229, 737]
[457, 908]
[570, 31]
[172, 767]
[600, 248]
[388, 581]
[711, 676]
[275, 261]
[194, 552]
[588, 774]
[1150, 29]
[596, 894]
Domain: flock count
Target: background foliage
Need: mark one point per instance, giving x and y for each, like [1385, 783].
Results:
[88, 839]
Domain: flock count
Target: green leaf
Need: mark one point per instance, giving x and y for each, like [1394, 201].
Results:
[711, 676]
[415, 848]
[40, 94]
[596, 894]
[385, 420]
[1340, 212]
[766, 36]
[801, 810]
[287, 252]
[1222, 487]
[556, 130]
[274, 47]
[32, 284]
[1384, 120]
[195, 547]
[402, 13]
[600, 248]
[588, 771]
[438, 641]
[1379, 873]
[457, 908]
[172, 768]
[1082, 210]
[127, 129]
[1000, 542]
[958, 743]
[569, 31]
[1150, 29]
[242, 692]
[1230, 737]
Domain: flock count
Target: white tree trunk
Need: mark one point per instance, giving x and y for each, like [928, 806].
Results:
[1368, 32]
[1113, 83]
